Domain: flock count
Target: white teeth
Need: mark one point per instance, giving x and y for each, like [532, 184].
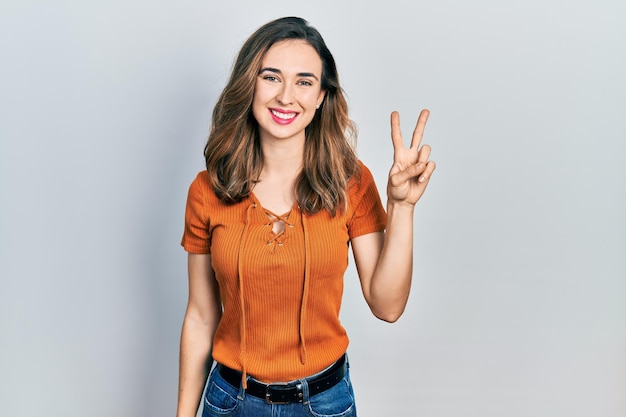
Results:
[284, 116]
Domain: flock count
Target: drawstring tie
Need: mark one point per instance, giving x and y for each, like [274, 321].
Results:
[242, 323]
[277, 240]
[305, 289]
[305, 286]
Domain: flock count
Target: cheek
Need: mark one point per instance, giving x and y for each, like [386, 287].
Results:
[255, 104]
[258, 102]
[311, 98]
[262, 94]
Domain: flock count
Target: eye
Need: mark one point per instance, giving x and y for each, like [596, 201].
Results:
[305, 83]
[269, 77]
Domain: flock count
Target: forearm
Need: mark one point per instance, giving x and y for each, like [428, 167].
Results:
[195, 363]
[385, 262]
[391, 279]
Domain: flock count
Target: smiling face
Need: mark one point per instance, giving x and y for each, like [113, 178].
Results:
[287, 90]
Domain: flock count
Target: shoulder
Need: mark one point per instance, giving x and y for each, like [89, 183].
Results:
[361, 180]
[201, 188]
[366, 213]
[366, 174]
[202, 179]
[362, 187]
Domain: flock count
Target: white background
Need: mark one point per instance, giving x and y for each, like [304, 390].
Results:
[518, 305]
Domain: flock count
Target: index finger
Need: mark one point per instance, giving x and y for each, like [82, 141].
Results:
[418, 133]
[396, 133]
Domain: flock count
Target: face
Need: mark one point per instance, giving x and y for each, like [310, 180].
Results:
[287, 90]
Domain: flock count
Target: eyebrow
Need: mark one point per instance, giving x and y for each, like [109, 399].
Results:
[300, 74]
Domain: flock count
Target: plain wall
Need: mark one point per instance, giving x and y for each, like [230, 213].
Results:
[518, 305]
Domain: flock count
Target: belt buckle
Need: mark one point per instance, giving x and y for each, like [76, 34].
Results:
[268, 398]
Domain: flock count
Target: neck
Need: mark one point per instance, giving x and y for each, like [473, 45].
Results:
[282, 163]
[282, 157]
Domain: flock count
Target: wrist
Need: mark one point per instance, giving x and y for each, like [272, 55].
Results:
[400, 207]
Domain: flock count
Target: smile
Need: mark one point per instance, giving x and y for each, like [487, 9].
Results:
[282, 117]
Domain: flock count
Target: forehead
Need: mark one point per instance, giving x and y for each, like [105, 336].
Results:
[293, 55]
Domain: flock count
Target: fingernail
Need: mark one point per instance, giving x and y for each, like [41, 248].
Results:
[422, 179]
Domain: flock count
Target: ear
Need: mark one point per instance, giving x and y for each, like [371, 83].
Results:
[320, 98]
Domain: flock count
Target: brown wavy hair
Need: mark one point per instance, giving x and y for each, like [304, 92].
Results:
[233, 153]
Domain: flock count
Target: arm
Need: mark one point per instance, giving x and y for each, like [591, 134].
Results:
[385, 260]
[204, 310]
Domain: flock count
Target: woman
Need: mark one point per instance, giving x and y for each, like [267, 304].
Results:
[268, 225]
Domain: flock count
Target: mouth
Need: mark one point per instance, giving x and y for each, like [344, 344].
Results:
[283, 117]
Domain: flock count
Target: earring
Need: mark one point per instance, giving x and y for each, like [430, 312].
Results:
[317, 106]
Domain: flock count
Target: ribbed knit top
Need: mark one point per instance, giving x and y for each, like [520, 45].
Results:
[281, 293]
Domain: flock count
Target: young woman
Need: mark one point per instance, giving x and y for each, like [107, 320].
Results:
[268, 226]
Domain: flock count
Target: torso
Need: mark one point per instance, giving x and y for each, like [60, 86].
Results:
[290, 282]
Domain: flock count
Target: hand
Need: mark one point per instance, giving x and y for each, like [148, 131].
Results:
[411, 169]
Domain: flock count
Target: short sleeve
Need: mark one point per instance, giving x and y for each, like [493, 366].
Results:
[368, 214]
[196, 234]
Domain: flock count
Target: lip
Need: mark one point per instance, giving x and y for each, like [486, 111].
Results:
[283, 121]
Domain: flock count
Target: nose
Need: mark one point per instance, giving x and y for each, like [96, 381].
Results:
[285, 95]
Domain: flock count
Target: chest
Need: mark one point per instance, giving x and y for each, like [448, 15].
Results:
[249, 243]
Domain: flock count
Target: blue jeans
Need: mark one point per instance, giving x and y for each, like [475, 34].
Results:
[224, 400]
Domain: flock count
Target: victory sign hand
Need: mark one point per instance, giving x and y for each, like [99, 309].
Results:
[411, 169]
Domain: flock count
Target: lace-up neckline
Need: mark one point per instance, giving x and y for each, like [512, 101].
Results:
[277, 222]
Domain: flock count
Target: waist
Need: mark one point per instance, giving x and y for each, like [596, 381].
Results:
[288, 392]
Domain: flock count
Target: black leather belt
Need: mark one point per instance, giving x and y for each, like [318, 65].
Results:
[290, 392]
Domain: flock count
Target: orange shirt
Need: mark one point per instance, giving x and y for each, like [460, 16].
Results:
[281, 293]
